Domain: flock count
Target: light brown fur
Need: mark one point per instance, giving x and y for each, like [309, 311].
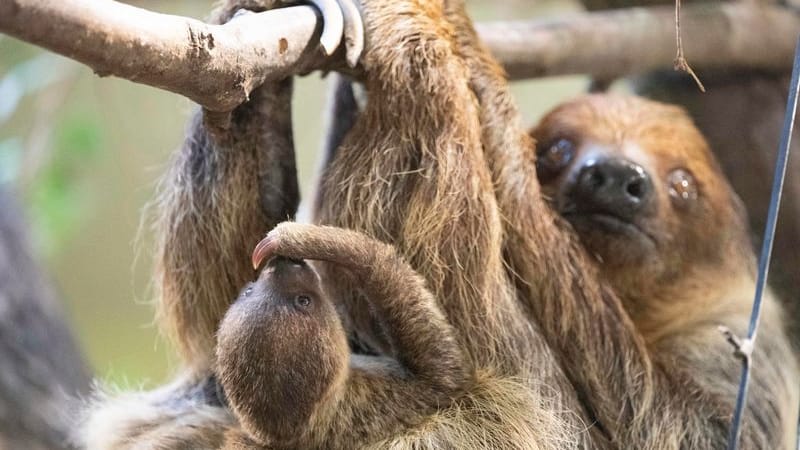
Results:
[412, 173]
[204, 219]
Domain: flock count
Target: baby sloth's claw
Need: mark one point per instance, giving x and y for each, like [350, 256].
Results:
[264, 251]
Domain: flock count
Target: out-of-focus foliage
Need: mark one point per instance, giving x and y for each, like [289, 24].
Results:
[50, 158]
[56, 202]
[10, 154]
[85, 154]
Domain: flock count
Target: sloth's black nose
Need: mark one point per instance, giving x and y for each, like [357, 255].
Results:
[287, 271]
[286, 278]
[613, 186]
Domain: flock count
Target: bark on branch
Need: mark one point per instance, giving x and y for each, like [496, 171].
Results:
[218, 65]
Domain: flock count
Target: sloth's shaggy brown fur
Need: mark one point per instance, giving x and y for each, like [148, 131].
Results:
[564, 352]
[412, 173]
[409, 45]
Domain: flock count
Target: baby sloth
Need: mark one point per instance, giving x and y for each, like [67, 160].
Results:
[285, 332]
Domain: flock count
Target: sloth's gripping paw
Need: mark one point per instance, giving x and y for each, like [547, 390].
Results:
[341, 20]
[347, 248]
[301, 241]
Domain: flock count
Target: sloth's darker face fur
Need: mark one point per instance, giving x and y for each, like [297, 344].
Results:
[637, 183]
[610, 200]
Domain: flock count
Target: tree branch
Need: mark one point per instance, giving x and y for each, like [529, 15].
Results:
[218, 65]
[614, 43]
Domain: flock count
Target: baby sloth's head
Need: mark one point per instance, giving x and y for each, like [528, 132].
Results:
[281, 351]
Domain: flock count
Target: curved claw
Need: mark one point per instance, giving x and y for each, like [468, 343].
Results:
[341, 18]
[353, 31]
[333, 26]
[263, 251]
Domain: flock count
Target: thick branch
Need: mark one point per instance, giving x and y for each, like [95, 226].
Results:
[214, 65]
[615, 43]
[218, 65]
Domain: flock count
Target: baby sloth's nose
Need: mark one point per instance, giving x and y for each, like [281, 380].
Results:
[281, 266]
[286, 273]
[284, 280]
[613, 185]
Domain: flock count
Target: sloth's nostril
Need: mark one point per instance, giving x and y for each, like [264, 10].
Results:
[636, 188]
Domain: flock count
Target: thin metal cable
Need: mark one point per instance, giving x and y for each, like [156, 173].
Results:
[745, 347]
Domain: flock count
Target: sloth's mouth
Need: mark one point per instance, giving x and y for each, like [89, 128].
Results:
[607, 223]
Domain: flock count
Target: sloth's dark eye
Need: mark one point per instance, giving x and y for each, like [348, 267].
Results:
[682, 187]
[302, 301]
[553, 158]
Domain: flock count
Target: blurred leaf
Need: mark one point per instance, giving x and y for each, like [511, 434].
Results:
[56, 209]
[79, 138]
[10, 159]
[57, 203]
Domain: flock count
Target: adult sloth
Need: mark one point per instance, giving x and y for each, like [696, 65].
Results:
[420, 182]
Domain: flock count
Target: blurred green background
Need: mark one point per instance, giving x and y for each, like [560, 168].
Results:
[84, 154]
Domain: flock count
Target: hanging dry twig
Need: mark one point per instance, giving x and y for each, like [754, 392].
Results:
[680, 62]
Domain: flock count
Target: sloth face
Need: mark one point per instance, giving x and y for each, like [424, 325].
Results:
[608, 198]
[283, 330]
[293, 287]
[637, 183]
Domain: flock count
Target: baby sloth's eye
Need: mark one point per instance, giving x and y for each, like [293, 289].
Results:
[554, 158]
[682, 187]
[302, 301]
